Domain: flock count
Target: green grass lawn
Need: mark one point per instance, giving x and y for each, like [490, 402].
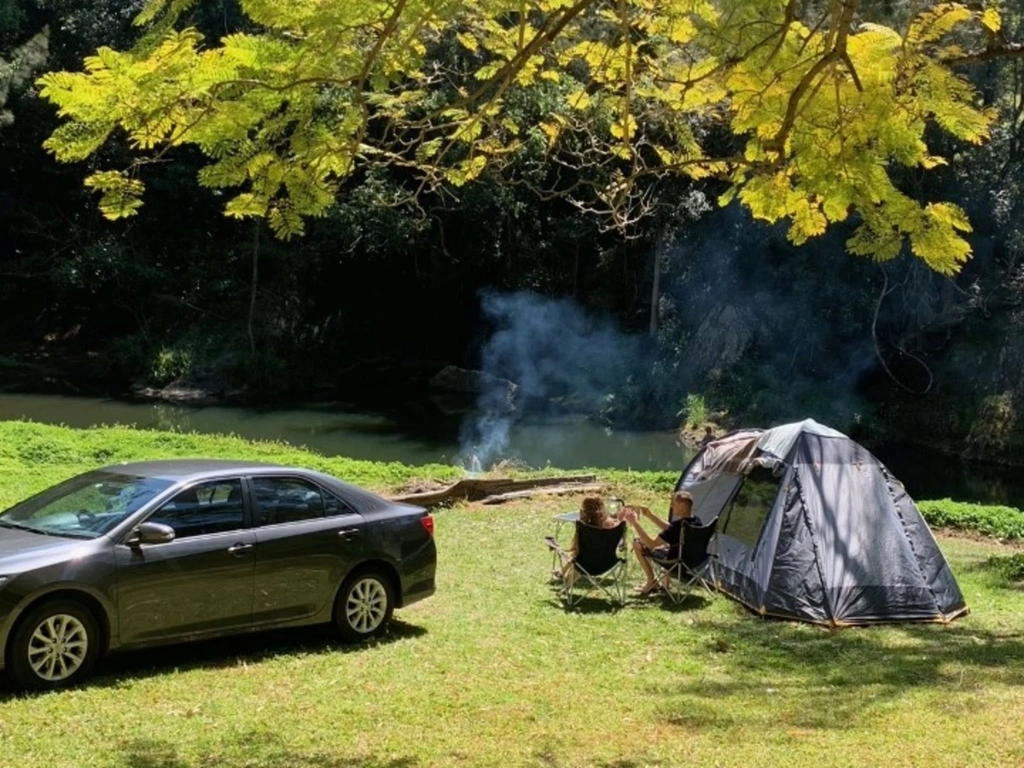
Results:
[492, 672]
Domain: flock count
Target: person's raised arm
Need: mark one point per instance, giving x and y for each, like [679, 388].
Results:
[662, 524]
[632, 517]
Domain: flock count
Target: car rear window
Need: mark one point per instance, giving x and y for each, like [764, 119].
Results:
[286, 500]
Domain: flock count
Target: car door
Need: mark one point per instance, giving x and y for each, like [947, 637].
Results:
[306, 539]
[200, 582]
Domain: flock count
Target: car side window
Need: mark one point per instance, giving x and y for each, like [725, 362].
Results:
[213, 507]
[286, 500]
[335, 506]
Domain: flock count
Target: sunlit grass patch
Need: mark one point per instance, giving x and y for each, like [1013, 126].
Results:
[491, 671]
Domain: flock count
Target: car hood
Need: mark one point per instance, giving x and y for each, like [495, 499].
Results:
[19, 548]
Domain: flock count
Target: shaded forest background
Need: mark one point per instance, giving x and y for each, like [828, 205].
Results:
[700, 308]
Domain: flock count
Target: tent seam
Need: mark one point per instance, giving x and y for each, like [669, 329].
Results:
[910, 540]
[781, 497]
[814, 545]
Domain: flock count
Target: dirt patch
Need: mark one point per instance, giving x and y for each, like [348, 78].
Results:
[959, 533]
[696, 437]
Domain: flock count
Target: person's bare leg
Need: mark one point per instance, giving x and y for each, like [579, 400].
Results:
[645, 566]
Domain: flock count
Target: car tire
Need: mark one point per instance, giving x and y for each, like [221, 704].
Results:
[364, 606]
[55, 645]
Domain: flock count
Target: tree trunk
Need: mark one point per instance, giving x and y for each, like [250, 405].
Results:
[659, 244]
[501, 489]
[253, 284]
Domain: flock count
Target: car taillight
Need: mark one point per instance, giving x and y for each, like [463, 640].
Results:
[428, 523]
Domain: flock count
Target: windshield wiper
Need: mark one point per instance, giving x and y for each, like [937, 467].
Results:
[71, 534]
[19, 526]
[45, 532]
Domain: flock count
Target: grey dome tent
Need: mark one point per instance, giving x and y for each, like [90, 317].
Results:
[813, 527]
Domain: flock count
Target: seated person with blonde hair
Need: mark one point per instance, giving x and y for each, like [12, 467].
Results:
[665, 544]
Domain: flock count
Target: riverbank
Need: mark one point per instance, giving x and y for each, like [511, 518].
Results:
[419, 433]
[34, 455]
[29, 451]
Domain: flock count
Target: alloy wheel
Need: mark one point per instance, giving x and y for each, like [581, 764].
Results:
[58, 647]
[367, 605]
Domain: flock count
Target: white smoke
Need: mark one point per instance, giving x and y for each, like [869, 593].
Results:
[559, 356]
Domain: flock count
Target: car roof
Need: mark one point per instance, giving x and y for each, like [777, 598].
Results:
[182, 469]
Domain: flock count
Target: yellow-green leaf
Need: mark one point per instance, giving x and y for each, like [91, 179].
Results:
[991, 20]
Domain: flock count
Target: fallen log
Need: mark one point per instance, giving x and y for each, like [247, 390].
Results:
[557, 490]
[480, 488]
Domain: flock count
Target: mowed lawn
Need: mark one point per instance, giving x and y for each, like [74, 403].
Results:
[491, 672]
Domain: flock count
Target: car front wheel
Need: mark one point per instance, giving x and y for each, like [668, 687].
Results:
[54, 646]
[364, 607]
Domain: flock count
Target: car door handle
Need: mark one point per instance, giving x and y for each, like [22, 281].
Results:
[239, 549]
[348, 533]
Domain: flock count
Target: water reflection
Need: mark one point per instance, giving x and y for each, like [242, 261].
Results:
[414, 433]
[420, 433]
[929, 474]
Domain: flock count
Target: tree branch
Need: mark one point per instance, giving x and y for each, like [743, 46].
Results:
[836, 52]
[992, 53]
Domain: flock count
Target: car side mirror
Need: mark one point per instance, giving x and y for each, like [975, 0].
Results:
[150, 533]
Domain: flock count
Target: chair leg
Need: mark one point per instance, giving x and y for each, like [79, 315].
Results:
[578, 584]
[680, 589]
[567, 591]
[703, 576]
[669, 581]
[680, 582]
[707, 577]
[620, 582]
[704, 583]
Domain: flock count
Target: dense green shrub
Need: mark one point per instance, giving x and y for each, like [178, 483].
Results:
[1004, 523]
[660, 482]
[696, 410]
[1009, 567]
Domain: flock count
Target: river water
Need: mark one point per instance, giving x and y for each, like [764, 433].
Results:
[420, 433]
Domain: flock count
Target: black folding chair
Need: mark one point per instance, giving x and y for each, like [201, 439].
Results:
[694, 563]
[599, 564]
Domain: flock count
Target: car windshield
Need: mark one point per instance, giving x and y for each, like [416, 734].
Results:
[84, 507]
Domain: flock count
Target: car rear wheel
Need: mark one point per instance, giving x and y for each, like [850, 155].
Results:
[364, 606]
[54, 646]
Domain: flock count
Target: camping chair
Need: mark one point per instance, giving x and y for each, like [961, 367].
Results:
[599, 564]
[693, 565]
